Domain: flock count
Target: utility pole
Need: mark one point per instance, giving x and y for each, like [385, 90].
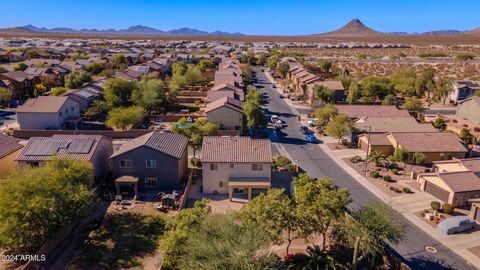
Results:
[368, 150]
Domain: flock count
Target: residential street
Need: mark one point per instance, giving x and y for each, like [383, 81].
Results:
[318, 164]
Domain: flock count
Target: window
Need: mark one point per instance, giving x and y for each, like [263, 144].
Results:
[220, 184]
[72, 108]
[60, 114]
[232, 166]
[66, 111]
[125, 163]
[213, 166]
[151, 163]
[257, 167]
[150, 181]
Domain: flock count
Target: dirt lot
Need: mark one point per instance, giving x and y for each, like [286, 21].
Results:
[395, 39]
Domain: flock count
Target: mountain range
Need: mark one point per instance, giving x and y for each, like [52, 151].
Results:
[137, 30]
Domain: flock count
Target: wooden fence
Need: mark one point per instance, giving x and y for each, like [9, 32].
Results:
[184, 198]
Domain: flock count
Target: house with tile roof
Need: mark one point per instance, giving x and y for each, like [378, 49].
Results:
[9, 149]
[19, 83]
[49, 112]
[238, 166]
[151, 163]
[456, 182]
[95, 149]
[227, 113]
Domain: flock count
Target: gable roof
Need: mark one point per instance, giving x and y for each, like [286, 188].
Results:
[358, 111]
[168, 143]
[18, 76]
[226, 101]
[8, 145]
[461, 181]
[236, 150]
[81, 147]
[392, 124]
[43, 104]
[429, 142]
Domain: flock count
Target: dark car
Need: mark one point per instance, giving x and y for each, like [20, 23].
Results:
[305, 130]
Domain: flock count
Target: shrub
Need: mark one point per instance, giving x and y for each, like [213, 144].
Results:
[422, 214]
[387, 178]
[465, 125]
[454, 121]
[476, 129]
[355, 159]
[407, 190]
[374, 174]
[447, 208]
[393, 165]
[395, 189]
[435, 205]
[395, 171]
[289, 168]
[283, 161]
[195, 161]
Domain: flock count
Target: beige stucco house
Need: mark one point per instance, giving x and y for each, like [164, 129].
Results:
[9, 150]
[237, 166]
[227, 113]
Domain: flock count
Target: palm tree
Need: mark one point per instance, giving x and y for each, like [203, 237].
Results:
[377, 157]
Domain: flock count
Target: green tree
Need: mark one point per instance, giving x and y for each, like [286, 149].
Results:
[325, 66]
[118, 91]
[401, 155]
[320, 204]
[465, 135]
[282, 69]
[439, 123]
[20, 66]
[196, 131]
[390, 100]
[3, 70]
[76, 79]
[58, 91]
[254, 95]
[413, 105]
[173, 244]
[325, 114]
[248, 57]
[5, 95]
[465, 56]
[97, 111]
[339, 127]
[273, 61]
[150, 94]
[177, 82]
[377, 157]
[119, 61]
[323, 94]
[95, 67]
[205, 64]
[221, 242]
[179, 68]
[36, 203]
[193, 76]
[419, 158]
[277, 215]
[107, 73]
[262, 59]
[125, 117]
[368, 229]
[254, 115]
[442, 90]
[354, 92]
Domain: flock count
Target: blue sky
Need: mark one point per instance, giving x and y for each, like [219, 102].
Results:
[260, 17]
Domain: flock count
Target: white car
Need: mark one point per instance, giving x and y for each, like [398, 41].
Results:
[312, 122]
[274, 118]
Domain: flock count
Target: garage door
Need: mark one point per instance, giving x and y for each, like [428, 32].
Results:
[436, 191]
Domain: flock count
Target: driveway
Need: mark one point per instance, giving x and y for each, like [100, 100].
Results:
[318, 163]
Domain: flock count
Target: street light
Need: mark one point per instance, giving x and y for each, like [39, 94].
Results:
[368, 150]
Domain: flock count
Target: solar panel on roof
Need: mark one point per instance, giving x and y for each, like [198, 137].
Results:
[45, 148]
[80, 146]
[85, 94]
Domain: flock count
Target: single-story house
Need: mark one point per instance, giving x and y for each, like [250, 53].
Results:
[154, 162]
[49, 112]
[9, 149]
[361, 111]
[456, 182]
[238, 166]
[435, 145]
[95, 149]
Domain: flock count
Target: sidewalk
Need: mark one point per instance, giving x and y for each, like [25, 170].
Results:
[407, 205]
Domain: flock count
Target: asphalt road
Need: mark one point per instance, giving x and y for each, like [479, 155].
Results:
[317, 164]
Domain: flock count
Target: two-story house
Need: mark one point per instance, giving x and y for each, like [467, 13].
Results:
[49, 112]
[154, 162]
[227, 113]
[238, 166]
[463, 90]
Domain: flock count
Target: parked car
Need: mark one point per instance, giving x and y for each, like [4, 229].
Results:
[456, 224]
[311, 138]
[274, 85]
[282, 96]
[305, 130]
[274, 118]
